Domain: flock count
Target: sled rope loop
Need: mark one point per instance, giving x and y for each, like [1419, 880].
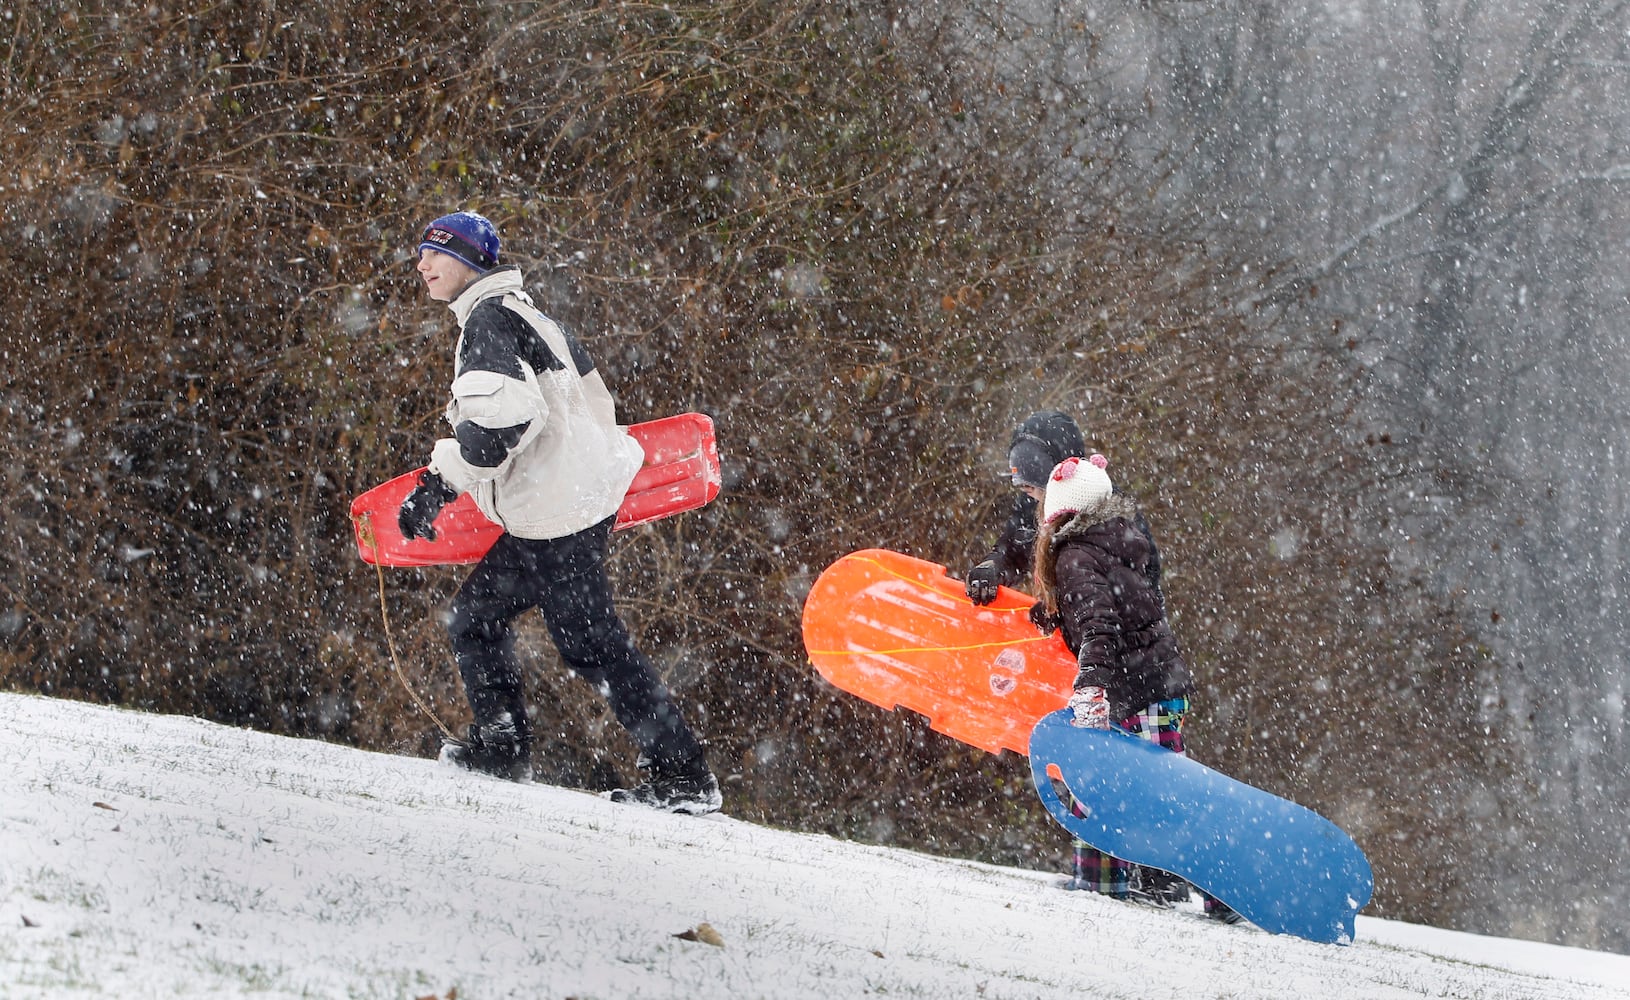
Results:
[365, 524]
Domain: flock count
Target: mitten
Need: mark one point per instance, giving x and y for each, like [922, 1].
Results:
[983, 580]
[1089, 708]
[420, 508]
[1046, 622]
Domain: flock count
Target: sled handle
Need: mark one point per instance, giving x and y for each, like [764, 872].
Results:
[1042, 775]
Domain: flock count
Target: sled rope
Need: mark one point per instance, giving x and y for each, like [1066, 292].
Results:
[365, 523]
[901, 650]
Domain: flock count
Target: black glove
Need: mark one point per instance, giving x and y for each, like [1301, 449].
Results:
[983, 580]
[1046, 622]
[420, 508]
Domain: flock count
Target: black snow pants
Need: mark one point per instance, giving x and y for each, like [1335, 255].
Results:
[565, 579]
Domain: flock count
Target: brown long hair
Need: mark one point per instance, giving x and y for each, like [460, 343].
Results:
[1045, 570]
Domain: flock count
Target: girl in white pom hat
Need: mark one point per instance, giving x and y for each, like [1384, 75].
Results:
[1094, 582]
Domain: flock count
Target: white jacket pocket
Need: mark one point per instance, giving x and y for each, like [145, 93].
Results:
[478, 396]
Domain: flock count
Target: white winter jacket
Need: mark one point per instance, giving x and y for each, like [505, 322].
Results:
[535, 434]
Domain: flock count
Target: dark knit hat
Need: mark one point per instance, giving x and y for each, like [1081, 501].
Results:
[465, 235]
[1031, 461]
[1042, 441]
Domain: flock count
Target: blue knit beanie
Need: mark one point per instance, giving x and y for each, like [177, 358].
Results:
[465, 235]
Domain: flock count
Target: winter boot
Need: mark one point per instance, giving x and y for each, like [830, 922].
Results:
[1163, 887]
[684, 788]
[1146, 898]
[1221, 912]
[494, 749]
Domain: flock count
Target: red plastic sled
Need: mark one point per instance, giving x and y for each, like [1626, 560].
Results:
[899, 631]
[681, 473]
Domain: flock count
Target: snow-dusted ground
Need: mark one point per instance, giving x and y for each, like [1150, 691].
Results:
[154, 856]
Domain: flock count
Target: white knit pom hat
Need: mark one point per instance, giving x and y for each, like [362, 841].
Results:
[1076, 485]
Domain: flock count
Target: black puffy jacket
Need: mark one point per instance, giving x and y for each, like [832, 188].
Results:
[1111, 611]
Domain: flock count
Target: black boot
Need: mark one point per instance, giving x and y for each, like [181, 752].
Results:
[495, 749]
[1163, 887]
[1220, 911]
[688, 787]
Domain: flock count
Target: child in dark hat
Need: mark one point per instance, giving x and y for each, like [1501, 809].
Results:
[1043, 440]
[535, 441]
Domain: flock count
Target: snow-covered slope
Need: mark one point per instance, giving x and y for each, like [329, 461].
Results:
[153, 856]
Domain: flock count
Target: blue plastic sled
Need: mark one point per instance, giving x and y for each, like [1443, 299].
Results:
[1285, 868]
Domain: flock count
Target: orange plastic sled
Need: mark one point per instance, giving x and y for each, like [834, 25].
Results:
[900, 632]
[681, 473]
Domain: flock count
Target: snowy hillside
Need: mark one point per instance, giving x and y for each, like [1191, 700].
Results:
[152, 856]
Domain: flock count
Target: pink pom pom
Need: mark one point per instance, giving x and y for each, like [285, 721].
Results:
[1099, 460]
[1065, 470]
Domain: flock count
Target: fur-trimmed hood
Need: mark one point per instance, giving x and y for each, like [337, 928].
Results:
[1075, 525]
[1091, 528]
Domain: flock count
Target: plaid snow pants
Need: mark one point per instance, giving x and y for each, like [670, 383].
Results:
[1162, 723]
